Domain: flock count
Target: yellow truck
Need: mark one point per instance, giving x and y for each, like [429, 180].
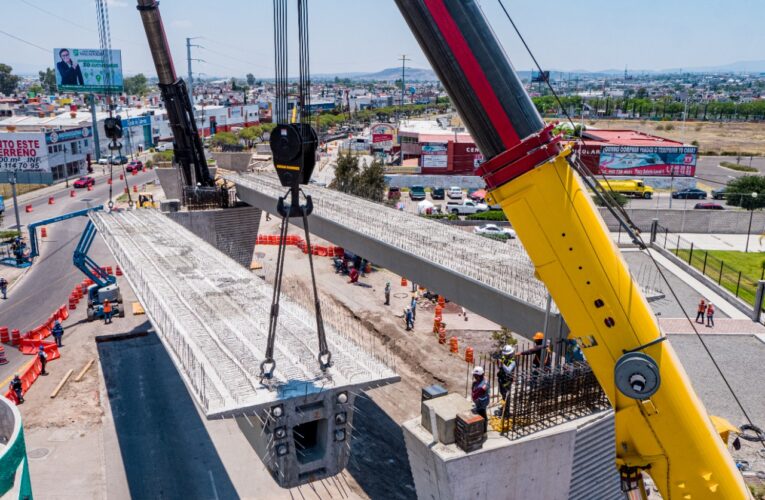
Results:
[631, 187]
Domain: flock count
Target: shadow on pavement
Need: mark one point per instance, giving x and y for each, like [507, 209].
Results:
[166, 450]
[379, 462]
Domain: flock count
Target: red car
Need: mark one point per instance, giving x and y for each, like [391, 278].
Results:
[84, 182]
[136, 165]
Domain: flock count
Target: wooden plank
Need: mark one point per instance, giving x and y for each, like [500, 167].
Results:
[85, 368]
[138, 309]
[61, 384]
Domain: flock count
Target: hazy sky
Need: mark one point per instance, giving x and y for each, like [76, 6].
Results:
[369, 35]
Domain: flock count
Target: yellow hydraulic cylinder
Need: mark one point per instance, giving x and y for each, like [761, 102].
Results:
[669, 435]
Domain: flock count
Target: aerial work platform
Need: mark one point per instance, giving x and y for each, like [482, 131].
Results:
[212, 315]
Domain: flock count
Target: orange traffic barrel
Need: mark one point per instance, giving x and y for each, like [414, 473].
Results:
[109, 181]
[90, 188]
[403, 281]
[5, 335]
[441, 300]
[15, 336]
[43, 232]
[122, 177]
[135, 188]
[28, 208]
[135, 172]
[72, 193]
[436, 325]
[72, 304]
[442, 337]
[454, 345]
[469, 355]
[3, 359]
[51, 200]
[118, 271]
[439, 308]
[108, 269]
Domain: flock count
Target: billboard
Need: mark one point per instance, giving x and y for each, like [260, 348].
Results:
[85, 70]
[434, 155]
[382, 141]
[23, 152]
[648, 160]
[73, 134]
[466, 157]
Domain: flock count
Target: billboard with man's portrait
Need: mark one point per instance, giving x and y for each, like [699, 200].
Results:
[88, 70]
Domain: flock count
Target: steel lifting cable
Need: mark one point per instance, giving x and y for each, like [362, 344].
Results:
[585, 172]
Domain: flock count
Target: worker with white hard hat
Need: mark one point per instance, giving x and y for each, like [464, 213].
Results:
[480, 394]
[506, 369]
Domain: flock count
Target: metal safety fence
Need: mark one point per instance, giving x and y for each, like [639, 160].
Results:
[738, 282]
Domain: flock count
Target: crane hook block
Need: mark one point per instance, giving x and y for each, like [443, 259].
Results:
[113, 127]
[293, 147]
[637, 376]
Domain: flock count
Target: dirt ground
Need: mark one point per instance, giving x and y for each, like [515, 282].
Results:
[716, 138]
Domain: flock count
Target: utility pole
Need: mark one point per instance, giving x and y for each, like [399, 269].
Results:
[190, 82]
[403, 60]
[95, 126]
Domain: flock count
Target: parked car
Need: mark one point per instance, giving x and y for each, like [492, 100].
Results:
[454, 193]
[417, 193]
[164, 146]
[118, 159]
[690, 194]
[494, 229]
[719, 194]
[437, 193]
[84, 182]
[103, 160]
[465, 207]
[708, 206]
[394, 193]
[136, 165]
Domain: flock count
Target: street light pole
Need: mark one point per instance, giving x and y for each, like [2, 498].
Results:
[751, 214]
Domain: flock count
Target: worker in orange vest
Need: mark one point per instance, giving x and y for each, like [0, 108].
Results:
[700, 312]
[710, 315]
[107, 312]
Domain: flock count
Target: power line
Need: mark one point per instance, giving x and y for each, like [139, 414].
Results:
[223, 54]
[53, 14]
[47, 51]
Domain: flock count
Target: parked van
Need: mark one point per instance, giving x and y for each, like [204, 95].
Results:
[632, 187]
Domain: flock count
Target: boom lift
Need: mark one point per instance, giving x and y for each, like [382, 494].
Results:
[662, 428]
[104, 285]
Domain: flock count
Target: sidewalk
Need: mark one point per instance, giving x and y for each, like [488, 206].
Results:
[718, 241]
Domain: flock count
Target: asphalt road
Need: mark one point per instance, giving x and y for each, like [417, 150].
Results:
[48, 283]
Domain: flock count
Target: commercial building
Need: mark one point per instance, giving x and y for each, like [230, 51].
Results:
[438, 147]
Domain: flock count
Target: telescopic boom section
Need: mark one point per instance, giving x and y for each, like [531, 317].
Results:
[662, 428]
[189, 152]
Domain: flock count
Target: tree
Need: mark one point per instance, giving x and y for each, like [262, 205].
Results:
[48, 80]
[250, 79]
[345, 173]
[738, 192]
[136, 85]
[8, 81]
[224, 139]
[234, 86]
[370, 183]
[35, 89]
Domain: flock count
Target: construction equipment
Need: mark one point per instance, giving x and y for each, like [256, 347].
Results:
[104, 285]
[146, 200]
[662, 428]
[187, 145]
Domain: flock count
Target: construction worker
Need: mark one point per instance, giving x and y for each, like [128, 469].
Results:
[387, 293]
[541, 352]
[700, 312]
[409, 318]
[413, 306]
[480, 394]
[354, 275]
[710, 315]
[17, 388]
[3, 287]
[506, 369]
[107, 312]
[57, 332]
[43, 359]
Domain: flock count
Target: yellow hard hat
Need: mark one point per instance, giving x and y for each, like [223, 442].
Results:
[539, 336]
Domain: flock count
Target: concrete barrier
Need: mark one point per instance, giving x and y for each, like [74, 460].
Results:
[14, 468]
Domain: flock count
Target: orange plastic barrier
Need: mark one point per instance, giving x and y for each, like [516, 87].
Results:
[30, 347]
[63, 313]
[322, 251]
[5, 335]
[454, 345]
[15, 336]
[469, 355]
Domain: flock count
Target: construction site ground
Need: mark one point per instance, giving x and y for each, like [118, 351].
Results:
[131, 429]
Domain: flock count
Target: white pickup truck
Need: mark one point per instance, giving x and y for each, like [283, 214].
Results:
[465, 207]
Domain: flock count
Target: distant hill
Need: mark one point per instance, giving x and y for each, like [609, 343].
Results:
[386, 75]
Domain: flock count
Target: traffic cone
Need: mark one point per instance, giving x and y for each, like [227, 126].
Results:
[51, 200]
[118, 271]
[403, 281]
[72, 193]
[28, 208]
[90, 188]
[43, 232]
[454, 345]
[469, 355]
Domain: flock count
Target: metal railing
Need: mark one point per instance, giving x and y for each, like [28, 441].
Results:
[736, 281]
